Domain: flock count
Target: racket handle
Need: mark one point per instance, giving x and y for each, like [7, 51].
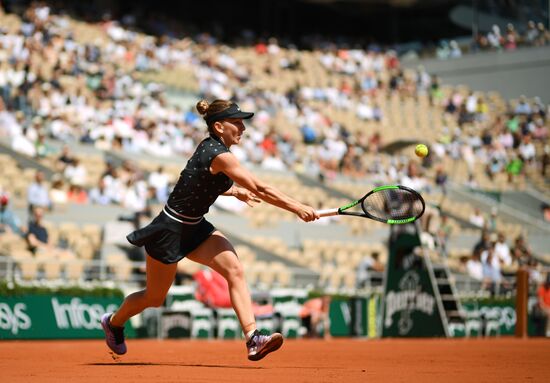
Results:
[327, 212]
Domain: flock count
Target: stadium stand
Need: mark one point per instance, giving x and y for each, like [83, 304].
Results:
[331, 114]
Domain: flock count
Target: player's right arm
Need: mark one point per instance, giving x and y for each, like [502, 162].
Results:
[228, 164]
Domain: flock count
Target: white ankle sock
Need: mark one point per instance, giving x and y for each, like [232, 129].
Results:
[249, 334]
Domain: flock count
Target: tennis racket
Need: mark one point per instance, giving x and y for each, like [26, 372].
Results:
[392, 204]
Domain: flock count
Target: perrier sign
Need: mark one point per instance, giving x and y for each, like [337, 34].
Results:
[409, 308]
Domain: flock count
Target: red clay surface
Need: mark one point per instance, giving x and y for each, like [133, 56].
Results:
[338, 360]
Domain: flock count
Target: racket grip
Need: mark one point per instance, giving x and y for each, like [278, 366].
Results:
[327, 212]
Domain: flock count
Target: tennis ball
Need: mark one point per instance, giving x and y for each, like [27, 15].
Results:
[421, 150]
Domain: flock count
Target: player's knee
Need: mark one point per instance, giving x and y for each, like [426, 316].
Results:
[234, 272]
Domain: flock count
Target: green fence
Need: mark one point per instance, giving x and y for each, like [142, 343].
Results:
[355, 316]
[51, 316]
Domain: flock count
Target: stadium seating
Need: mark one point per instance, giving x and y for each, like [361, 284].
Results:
[407, 114]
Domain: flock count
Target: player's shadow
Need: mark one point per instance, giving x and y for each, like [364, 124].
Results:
[133, 364]
[173, 365]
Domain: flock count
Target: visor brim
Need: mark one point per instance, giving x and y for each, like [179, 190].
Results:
[241, 115]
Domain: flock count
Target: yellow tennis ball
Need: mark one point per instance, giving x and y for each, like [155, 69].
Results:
[421, 150]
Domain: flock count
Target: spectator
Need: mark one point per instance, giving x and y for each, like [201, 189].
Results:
[21, 143]
[521, 251]
[414, 178]
[492, 275]
[443, 51]
[38, 238]
[65, 159]
[76, 173]
[471, 183]
[454, 50]
[526, 149]
[58, 194]
[491, 225]
[495, 38]
[444, 233]
[474, 267]
[523, 106]
[43, 149]
[532, 33]
[514, 167]
[37, 235]
[368, 271]
[543, 305]
[135, 200]
[483, 243]
[546, 212]
[38, 194]
[502, 250]
[543, 35]
[535, 275]
[8, 220]
[100, 195]
[431, 223]
[77, 194]
[441, 179]
[114, 186]
[511, 38]
[315, 316]
[477, 219]
[160, 180]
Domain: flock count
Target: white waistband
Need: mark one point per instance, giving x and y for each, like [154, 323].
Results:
[179, 220]
[181, 215]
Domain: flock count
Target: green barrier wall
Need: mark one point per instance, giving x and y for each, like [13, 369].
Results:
[355, 316]
[54, 317]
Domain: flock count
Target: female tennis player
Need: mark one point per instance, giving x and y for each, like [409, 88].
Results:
[180, 230]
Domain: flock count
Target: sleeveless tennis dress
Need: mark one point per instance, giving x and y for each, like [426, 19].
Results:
[181, 227]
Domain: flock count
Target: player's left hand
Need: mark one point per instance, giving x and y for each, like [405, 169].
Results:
[247, 197]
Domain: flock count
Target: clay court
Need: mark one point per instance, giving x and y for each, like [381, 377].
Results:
[502, 360]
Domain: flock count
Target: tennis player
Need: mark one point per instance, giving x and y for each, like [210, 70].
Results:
[181, 230]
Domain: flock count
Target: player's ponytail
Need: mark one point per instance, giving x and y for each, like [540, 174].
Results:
[202, 107]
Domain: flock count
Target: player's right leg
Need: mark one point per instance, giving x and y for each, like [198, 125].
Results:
[159, 279]
[218, 253]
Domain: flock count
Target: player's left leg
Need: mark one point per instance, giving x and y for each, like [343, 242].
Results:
[218, 253]
[159, 279]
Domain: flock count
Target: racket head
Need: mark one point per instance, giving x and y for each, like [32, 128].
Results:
[393, 204]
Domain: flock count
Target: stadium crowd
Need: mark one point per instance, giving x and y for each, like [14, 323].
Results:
[70, 91]
[54, 87]
[534, 34]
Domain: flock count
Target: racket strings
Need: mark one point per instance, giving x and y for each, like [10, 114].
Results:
[393, 204]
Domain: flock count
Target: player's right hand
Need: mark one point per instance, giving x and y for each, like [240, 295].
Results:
[307, 213]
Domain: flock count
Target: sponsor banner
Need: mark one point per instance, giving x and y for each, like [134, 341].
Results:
[365, 316]
[54, 317]
[357, 316]
[487, 319]
[340, 317]
[372, 316]
[409, 308]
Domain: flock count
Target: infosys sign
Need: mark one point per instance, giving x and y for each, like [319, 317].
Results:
[53, 317]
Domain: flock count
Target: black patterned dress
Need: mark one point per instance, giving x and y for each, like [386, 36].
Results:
[181, 227]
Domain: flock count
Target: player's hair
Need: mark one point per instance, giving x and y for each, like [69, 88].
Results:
[205, 109]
